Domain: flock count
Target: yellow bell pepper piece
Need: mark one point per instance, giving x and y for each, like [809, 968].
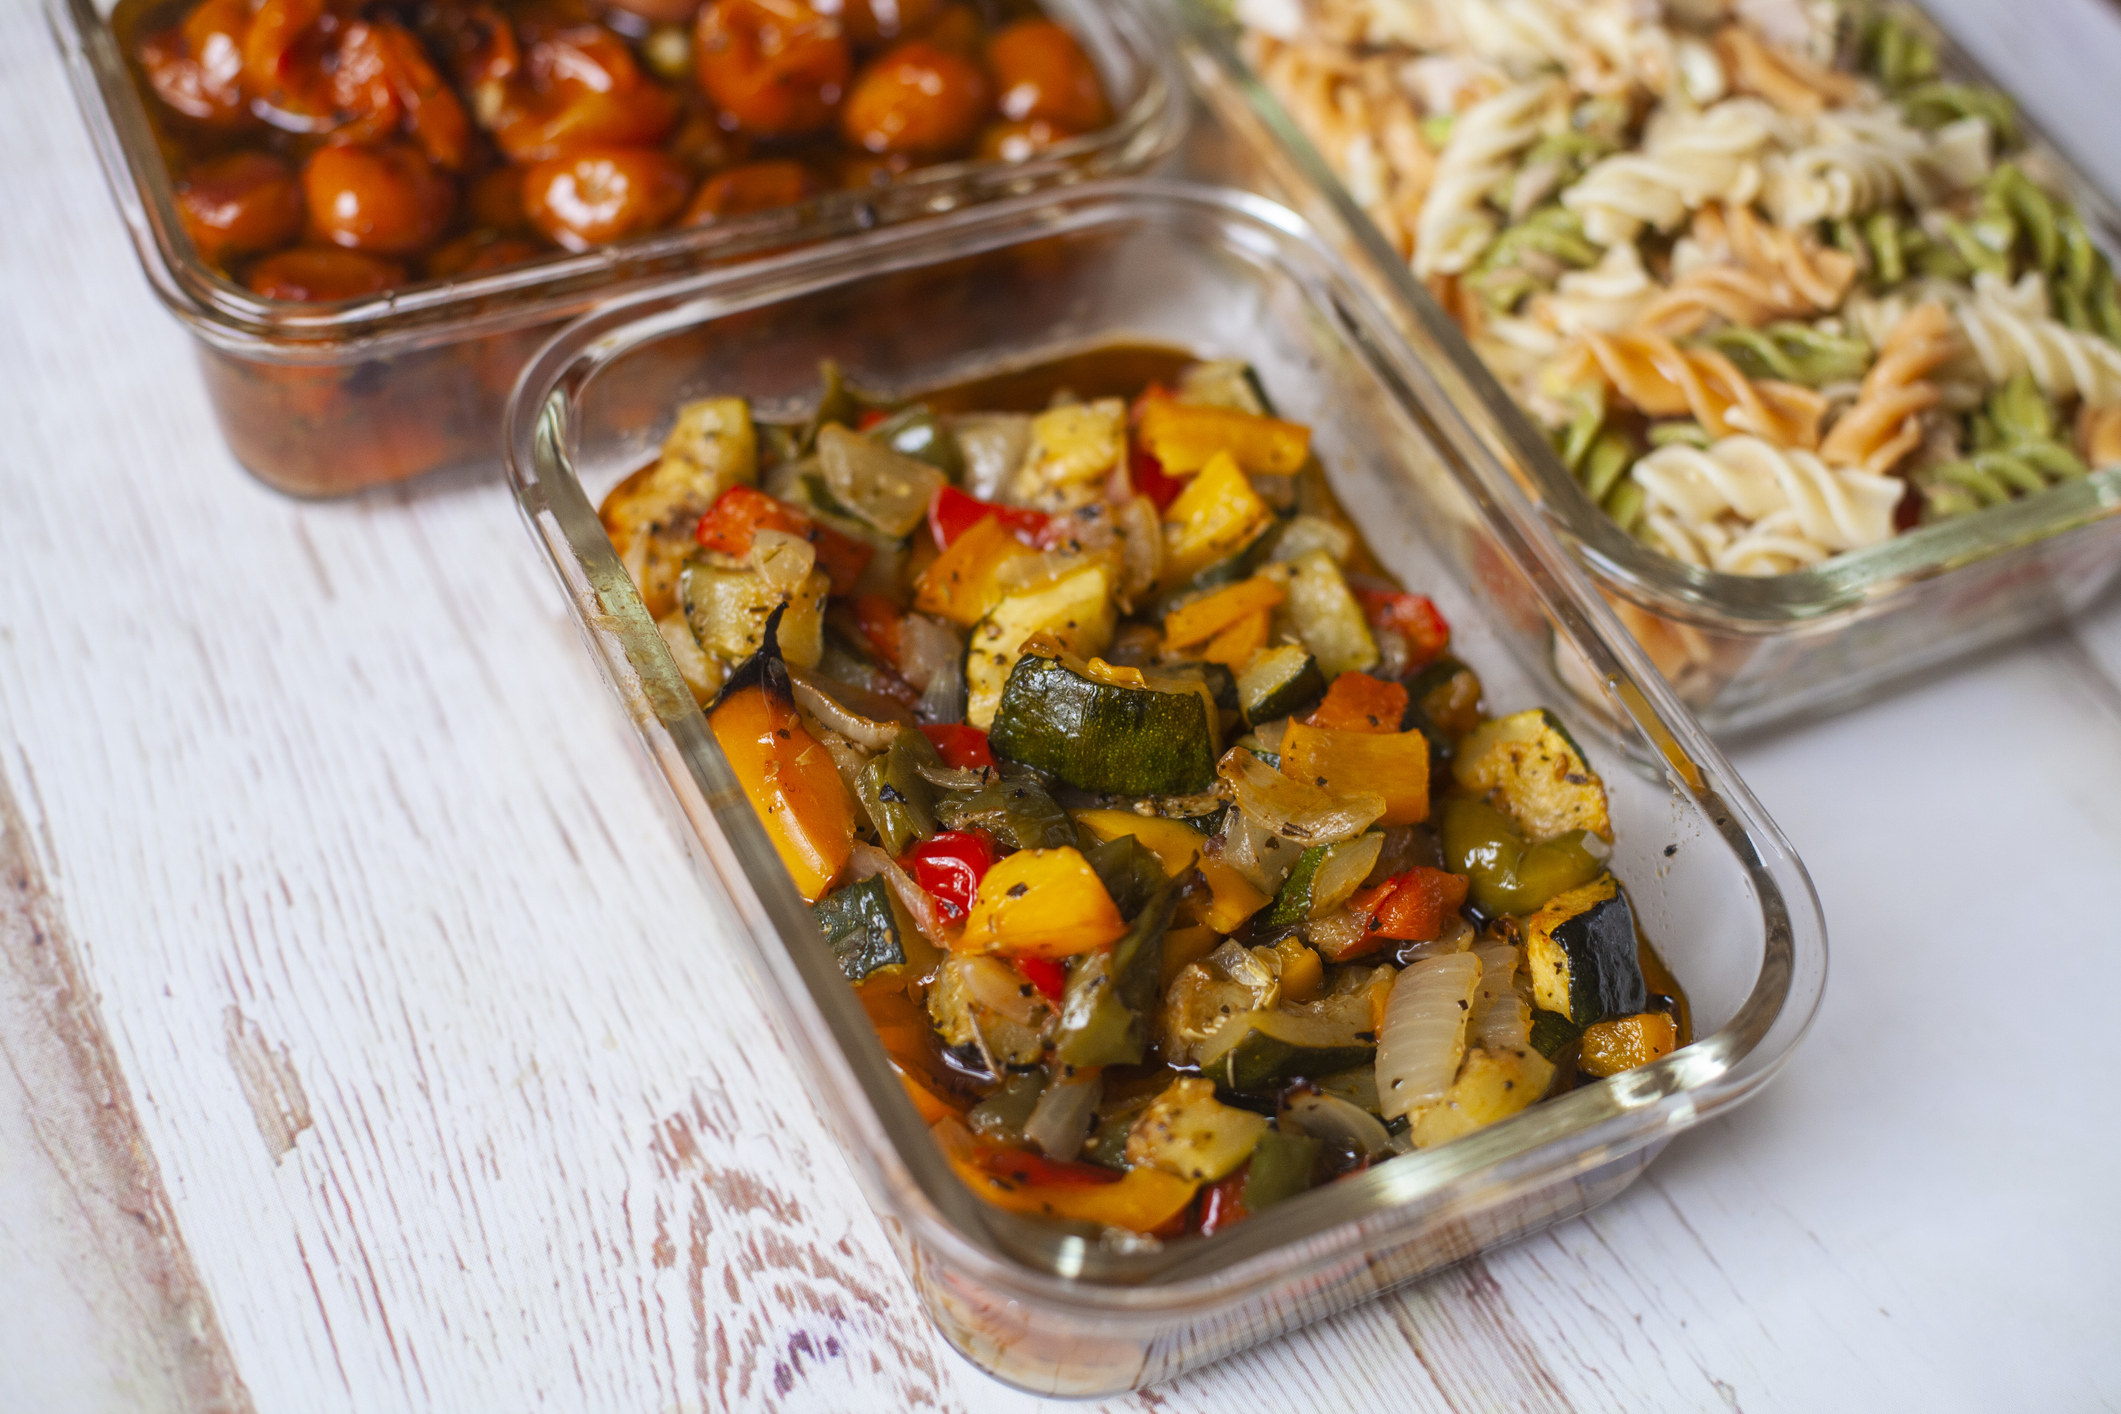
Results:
[1624, 1042]
[1041, 903]
[1394, 765]
[964, 582]
[1177, 846]
[1217, 515]
[1185, 436]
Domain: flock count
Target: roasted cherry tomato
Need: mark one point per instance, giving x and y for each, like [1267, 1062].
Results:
[316, 273]
[600, 194]
[579, 87]
[381, 83]
[196, 67]
[386, 200]
[953, 512]
[495, 200]
[662, 12]
[1042, 73]
[1048, 974]
[950, 866]
[240, 204]
[774, 67]
[755, 186]
[917, 98]
[962, 747]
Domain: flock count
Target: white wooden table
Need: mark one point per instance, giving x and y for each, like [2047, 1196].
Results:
[366, 1043]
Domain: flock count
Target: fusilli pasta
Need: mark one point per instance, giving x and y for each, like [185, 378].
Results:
[2011, 332]
[1687, 160]
[1736, 267]
[1857, 159]
[1747, 506]
[1454, 226]
[1665, 379]
[1884, 424]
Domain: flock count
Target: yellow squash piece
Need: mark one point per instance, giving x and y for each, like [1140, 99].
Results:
[1491, 1086]
[1217, 515]
[1041, 903]
[1184, 437]
[1188, 1132]
[791, 782]
[1394, 765]
[1533, 765]
[964, 582]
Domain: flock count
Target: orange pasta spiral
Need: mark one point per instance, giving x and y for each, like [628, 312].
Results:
[1755, 273]
[1666, 380]
[1791, 82]
[2099, 435]
[1884, 424]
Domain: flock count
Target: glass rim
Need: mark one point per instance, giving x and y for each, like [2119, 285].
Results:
[1842, 586]
[557, 283]
[1571, 1134]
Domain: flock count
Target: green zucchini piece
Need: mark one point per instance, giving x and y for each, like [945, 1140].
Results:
[1105, 1009]
[1282, 1165]
[1001, 1116]
[867, 931]
[1018, 810]
[1099, 736]
[1279, 682]
[1327, 616]
[1580, 952]
[1076, 610]
[1259, 1050]
[1128, 870]
[1507, 875]
[1292, 903]
[899, 801]
[1222, 683]
[1324, 878]
[1551, 1032]
[1530, 761]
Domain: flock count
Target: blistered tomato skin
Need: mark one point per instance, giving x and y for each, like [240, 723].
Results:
[1043, 75]
[578, 87]
[316, 273]
[240, 204]
[774, 67]
[602, 194]
[917, 98]
[384, 200]
[755, 186]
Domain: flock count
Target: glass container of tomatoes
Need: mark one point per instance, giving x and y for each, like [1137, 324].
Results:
[370, 213]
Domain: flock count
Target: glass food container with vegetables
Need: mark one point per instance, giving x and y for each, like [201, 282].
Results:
[370, 214]
[1189, 930]
[1799, 331]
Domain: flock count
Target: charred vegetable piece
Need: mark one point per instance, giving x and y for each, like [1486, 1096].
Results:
[1624, 1042]
[785, 773]
[1279, 682]
[1130, 871]
[1041, 903]
[1074, 613]
[1101, 736]
[1580, 954]
[868, 931]
[1016, 809]
[1282, 1166]
[1255, 1051]
[1105, 1011]
[898, 799]
[1538, 772]
[1509, 876]
[1188, 1132]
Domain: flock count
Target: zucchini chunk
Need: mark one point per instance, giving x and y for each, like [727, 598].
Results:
[1188, 1132]
[1279, 682]
[1325, 877]
[1101, 736]
[727, 609]
[1075, 610]
[1282, 1165]
[1580, 953]
[1491, 1086]
[868, 931]
[1534, 765]
[1326, 615]
[1258, 1050]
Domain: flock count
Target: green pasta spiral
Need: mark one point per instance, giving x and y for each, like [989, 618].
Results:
[1601, 457]
[1529, 255]
[1894, 50]
[1793, 352]
[2015, 452]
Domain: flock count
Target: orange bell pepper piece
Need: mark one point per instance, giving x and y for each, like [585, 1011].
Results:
[790, 780]
[1211, 614]
[965, 580]
[1357, 702]
[1394, 765]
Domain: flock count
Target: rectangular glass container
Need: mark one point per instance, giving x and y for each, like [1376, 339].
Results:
[323, 399]
[1221, 274]
[1744, 652]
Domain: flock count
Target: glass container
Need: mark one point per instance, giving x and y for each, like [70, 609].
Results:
[1221, 274]
[1744, 652]
[325, 398]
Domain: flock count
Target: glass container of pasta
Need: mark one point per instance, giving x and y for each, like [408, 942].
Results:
[370, 214]
[1181, 904]
[1805, 340]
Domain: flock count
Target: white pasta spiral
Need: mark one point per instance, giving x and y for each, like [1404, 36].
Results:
[1857, 159]
[1607, 297]
[2010, 331]
[1746, 506]
[1453, 227]
[1687, 159]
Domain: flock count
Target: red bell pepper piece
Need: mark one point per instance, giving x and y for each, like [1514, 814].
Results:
[962, 748]
[1412, 616]
[1222, 1203]
[742, 511]
[953, 512]
[869, 418]
[1149, 479]
[1048, 974]
[1357, 702]
[1021, 1166]
[879, 620]
[950, 867]
[1414, 906]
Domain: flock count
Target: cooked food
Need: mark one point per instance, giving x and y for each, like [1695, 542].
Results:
[1778, 288]
[1174, 855]
[330, 149]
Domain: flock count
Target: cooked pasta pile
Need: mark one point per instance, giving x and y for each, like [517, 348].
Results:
[1777, 289]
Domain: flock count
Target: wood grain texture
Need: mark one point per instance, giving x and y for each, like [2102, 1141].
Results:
[456, 1104]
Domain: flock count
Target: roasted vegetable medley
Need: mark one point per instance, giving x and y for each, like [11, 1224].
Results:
[329, 149]
[1174, 855]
